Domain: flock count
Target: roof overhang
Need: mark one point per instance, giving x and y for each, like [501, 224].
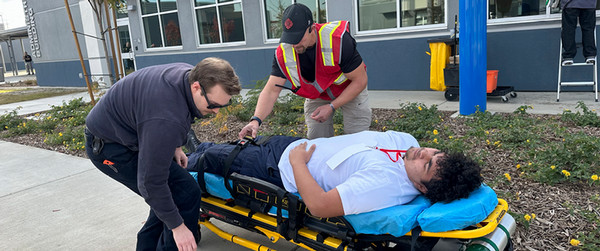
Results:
[13, 33]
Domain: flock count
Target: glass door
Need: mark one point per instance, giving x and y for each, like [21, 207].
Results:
[126, 51]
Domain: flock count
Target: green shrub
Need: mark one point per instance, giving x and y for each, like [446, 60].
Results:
[586, 117]
[10, 120]
[416, 119]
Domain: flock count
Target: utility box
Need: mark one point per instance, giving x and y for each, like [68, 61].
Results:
[1, 74]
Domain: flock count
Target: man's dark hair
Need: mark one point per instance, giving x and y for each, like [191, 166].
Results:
[457, 176]
[211, 71]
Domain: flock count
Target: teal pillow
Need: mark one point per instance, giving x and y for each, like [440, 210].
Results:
[396, 220]
[461, 213]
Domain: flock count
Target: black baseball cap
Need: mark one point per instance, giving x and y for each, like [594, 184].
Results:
[296, 19]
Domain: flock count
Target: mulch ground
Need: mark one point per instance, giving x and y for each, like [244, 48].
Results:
[552, 229]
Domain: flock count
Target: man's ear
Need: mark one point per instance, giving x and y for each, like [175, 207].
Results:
[422, 188]
[196, 87]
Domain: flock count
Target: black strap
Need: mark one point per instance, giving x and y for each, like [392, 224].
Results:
[294, 90]
[239, 145]
[415, 232]
[200, 169]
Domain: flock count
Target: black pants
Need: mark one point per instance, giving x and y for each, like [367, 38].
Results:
[587, 21]
[154, 235]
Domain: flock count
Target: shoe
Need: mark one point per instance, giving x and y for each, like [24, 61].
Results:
[567, 62]
[192, 141]
[590, 60]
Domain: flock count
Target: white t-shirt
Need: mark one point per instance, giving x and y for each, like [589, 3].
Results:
[366, 178]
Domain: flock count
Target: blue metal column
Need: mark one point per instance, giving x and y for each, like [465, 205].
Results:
[473, 55]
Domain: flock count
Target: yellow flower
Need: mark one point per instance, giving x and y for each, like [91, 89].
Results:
[507, 176]
[383, 128]
[552, 167]
[435, 140]
[487, 141]
[594, 177]
[566, 173]
[529, 163]
[575, 242]
[496, 142]
[37, 114]
[420, 109]
[527, 141]
[450, 137]
[532, 216]
[375, 121]
[487, 132]
[521, 174]
[60, 134]
[518, 166]
[527, 217]
[435, 132]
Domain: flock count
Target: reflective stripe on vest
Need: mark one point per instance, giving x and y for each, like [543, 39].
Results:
[291, 67]
[341, 79]
[326, 37]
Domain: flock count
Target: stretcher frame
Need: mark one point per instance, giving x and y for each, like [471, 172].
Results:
[253, 197]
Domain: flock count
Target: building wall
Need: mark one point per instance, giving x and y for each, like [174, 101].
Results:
[59, 63]
[18, 52]
[524, 50]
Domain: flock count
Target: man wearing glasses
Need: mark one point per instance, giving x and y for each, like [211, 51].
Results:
[135, 133]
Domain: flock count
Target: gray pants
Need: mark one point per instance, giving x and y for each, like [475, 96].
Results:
[356, 113]
[29, 67]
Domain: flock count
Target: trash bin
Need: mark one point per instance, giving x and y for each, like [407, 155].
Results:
[1, 74]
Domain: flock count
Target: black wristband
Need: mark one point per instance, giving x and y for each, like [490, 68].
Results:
[257, 120]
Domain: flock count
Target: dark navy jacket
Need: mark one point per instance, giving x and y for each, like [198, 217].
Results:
[149, 111]
[578, 4]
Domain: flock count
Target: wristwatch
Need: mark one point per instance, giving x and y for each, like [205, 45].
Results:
[257, 120]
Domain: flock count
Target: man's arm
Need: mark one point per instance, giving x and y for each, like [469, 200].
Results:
[266, 100]
[359, 82]
[319, 202]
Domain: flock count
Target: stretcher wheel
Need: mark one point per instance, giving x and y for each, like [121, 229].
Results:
[450, 96]
[513, 94]
[504, 99]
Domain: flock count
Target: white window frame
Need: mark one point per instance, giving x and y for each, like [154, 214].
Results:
[162, 38]
[267, 40]
[217, 5]
[398, 29]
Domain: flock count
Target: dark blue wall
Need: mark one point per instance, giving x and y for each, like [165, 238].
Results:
[20, 66]
[526, 60]
[60, 73]
[250, 65]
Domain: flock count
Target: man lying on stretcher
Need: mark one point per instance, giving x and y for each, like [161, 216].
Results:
[352, 173]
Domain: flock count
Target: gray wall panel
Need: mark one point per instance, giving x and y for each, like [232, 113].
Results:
[64, 73]
[251, 65]
[396, 64]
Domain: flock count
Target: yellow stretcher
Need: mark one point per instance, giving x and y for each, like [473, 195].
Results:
[254, 197]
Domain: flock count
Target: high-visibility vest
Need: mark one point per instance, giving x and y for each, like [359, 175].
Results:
[330, 81]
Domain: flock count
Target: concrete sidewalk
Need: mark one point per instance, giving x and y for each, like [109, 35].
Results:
[53, 201]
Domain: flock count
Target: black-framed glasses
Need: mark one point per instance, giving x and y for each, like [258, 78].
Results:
[212, 105]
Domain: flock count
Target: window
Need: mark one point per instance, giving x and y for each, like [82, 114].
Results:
[219, 21]
[516, 8]
[389, 14]
[122, 11]
[274, 10]
[519, 8]
[161, 24]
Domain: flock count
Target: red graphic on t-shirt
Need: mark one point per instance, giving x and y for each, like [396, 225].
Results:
[288, 24]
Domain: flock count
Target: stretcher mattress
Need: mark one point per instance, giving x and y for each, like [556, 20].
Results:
[399, 220]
